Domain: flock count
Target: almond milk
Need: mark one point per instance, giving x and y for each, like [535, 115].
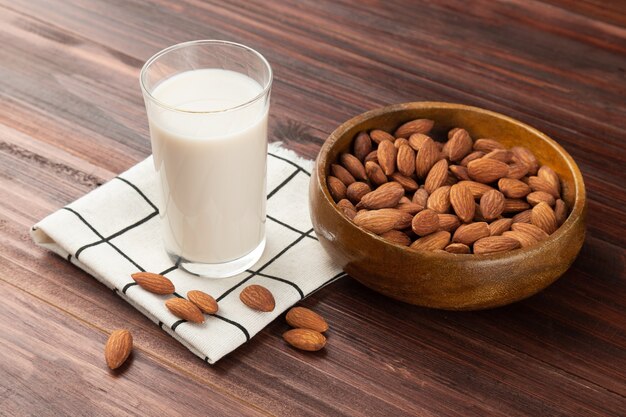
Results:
[211, 164]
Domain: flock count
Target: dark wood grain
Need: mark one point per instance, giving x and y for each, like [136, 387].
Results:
[72, 117]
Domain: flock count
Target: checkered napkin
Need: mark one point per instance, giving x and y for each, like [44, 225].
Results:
[114, 231]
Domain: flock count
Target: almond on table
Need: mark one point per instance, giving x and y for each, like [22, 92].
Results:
[453, 194]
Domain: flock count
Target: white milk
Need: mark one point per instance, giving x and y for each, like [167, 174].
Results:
[212, 166]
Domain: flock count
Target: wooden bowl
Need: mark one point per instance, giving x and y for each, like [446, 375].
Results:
[442, 280]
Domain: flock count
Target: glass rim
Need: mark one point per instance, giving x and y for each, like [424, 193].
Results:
[155, 57]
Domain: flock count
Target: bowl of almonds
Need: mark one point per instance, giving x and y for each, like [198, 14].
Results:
[447, 206]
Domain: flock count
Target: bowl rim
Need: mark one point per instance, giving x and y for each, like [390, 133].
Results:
[576, 211]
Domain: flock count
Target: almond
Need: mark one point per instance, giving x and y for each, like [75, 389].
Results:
[494, 244]
[531, 229]
[409, 206]
[397, 237]
[387, 195]
[118, 348]
[356, 191]
[378, 136]
[487, 170]
[462, 202]
[460, 172]
[184, 309]
[537, 197]
[526, 157]
[471, 157]
[425, 222]
[551, 178]
[154, 283]
[342, 173]
[377, 221]
[497, 227]
[541, 184]
[303, 318]
[400, 142]
[420, 197]
[560, 211]
[434, 241]
[258, 298]
[522, 217]
[436, 176]
[204, 301]
[487, 145]
[426, 157]
[403, 221]
[375, 173]
[405, 160]
[305, 339]
[387, 156]
[439, 200]
[459, 145]
[347, 208]
[470, 233]
[478, 215]
[476, 188]
[336, 187]
[448, 222]
[513, 188]
[523, 238]
[513, 205]
[416, 140]
[372, 156]
[414, 126]
[491, 204]
[407, 183]
[501, 155]
[354, 166]
[517, 170]
[543, 217]
[451, 180]
[458, 248]
[362, 145]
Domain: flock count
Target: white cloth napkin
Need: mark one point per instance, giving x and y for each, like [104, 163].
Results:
[114, 231]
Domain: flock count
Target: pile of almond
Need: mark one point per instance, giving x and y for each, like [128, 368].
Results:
[462, 196]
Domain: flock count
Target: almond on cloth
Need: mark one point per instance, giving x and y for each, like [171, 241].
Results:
[118, 348]
[154, 283]
[203, 301]
[184, 309]
[258, 298]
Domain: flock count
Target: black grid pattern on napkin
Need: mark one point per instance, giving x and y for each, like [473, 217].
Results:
[308, 234]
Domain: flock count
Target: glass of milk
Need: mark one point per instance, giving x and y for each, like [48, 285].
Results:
[207, 103]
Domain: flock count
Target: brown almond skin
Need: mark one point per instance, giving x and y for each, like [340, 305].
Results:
[501, 155]
[425, 222]
[400, 141]
[362, 145]
[347, 208]
[258, 298]
[513, 188]
[375, 173]
[353, 165]
[397, 237]
[497, 227]
[414, 126]
[337, 188]
[495, 244]
[462, 202]
[372, 156]
[470, 233]
[184, 309]
[426, 157]
[560, 211]
[416, 141]
[304, 318]
[476, 188]
[356, 191]
[305, 339]
[551, 178]
[378, 136]
[460, 172]
[387, 156]
[459, 144]
[408, 183]
[522, 217]
[154, 283]
[543, 217]
[525, 156]
[204, 301]
[514, 205]
[491, 204]
[437, 176]
[487, 145]
[386, 196]
[448, 222]
[517, 170]
[537, 197]
[377, 221]
[432, 242]
[117, 348]
[487, 170]
[523, 238]
[457, 248]
[439, 200]
[340, 172]
[420, 197]
[471, 157]
[405, 160]
[531, 229]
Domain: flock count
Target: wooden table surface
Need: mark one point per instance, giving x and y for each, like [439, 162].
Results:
[72, 117]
